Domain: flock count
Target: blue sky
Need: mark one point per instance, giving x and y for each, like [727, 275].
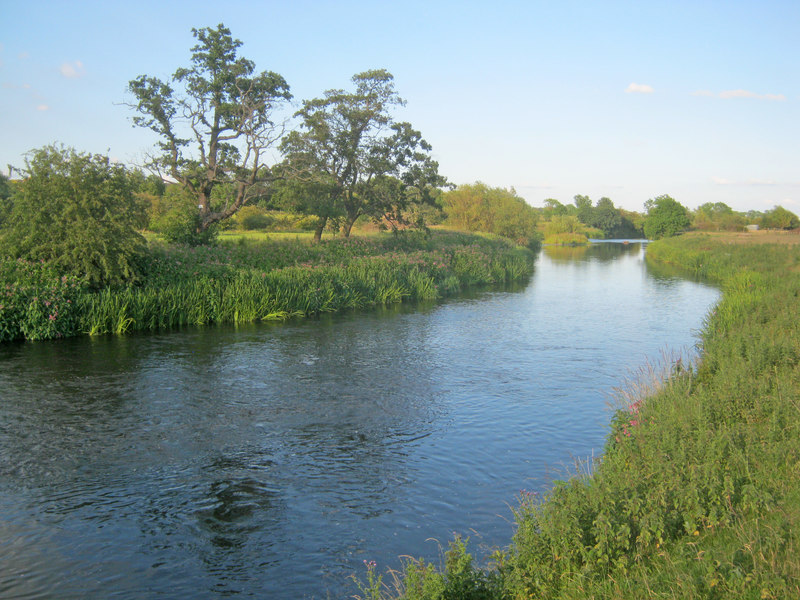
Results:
[629, 100]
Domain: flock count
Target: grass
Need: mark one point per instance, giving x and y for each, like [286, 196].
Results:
[697, 494]
[255, 278]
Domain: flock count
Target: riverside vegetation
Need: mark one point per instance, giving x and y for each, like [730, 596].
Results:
[697, 494]
[253, 281]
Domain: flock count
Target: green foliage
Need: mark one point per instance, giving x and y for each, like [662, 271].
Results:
[351, 158]
[478, 207]
[666, 217]
[697, 494]
[237, 283]
[251, 218]
[175, 217]
[5, 198]
[77, 212]
[780, 218]
[229, 109]
[566, 239]
[604, 217]
[37, 303]
[717, 216]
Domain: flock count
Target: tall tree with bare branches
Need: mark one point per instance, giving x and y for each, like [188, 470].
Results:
[215, 121]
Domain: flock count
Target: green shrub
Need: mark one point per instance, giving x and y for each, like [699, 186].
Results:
[567, 239]
[177, 219]
[252, 218]
[77, 212]
[36, 303]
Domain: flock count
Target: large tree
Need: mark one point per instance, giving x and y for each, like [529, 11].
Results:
[215, 121]
[355, 157]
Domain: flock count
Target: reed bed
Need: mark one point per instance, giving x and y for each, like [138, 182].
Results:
[697, 494]
[255, 281]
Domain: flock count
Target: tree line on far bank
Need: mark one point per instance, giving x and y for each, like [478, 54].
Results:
[348, 161]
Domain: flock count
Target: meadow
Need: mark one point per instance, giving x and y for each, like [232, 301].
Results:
[697, 494]
[249, 278]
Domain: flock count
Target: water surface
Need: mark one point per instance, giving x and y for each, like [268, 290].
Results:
[271, 460]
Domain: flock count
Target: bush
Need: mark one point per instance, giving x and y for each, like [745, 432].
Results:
[77, 212]
[666, 217]
[177, 219]
[252, 218]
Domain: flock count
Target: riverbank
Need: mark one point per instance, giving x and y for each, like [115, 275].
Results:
[251, 281]
[697, 494]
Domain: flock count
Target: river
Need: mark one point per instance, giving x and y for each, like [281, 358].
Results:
[271, 460]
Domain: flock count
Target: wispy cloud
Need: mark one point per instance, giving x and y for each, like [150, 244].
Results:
[639, 88]
[42, 107]
[728, 94]
[749, 94]
[72, 70]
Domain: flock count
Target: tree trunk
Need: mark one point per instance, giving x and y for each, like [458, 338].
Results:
[318, 231]
[348, 225]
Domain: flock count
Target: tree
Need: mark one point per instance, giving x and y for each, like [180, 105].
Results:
[5, 198]
[76, 211]
[226, 110]
[780, 218]
[352, 152]
[478, 207]
[666, 217]
[314, 193]
[553, 207]
[717, 216]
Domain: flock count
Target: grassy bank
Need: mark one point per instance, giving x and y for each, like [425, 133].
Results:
[252, 280]
[698, 492]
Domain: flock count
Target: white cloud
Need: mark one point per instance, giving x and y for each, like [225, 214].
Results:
[23, 55]
[42, 107]
[72, 70]
[748, 94]
[639, 88]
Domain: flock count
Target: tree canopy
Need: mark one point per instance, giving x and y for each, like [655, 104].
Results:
[666, 217]
[780, 218]
[478, 207]
[354, 158]
[76, 211]
[215, 122]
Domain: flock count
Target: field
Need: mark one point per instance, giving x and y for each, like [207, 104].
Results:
[765, 236]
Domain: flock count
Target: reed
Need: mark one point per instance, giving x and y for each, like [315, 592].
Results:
[256, 281]
[697, 494]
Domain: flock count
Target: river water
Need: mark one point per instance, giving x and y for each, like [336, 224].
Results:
[270, 461]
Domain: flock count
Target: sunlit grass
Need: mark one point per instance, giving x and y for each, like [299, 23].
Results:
[256, 277]
[697, 494]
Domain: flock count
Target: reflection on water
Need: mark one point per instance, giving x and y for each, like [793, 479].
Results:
[269, 460]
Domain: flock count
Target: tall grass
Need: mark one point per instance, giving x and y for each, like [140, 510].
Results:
[697, 494]
[262, 280]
